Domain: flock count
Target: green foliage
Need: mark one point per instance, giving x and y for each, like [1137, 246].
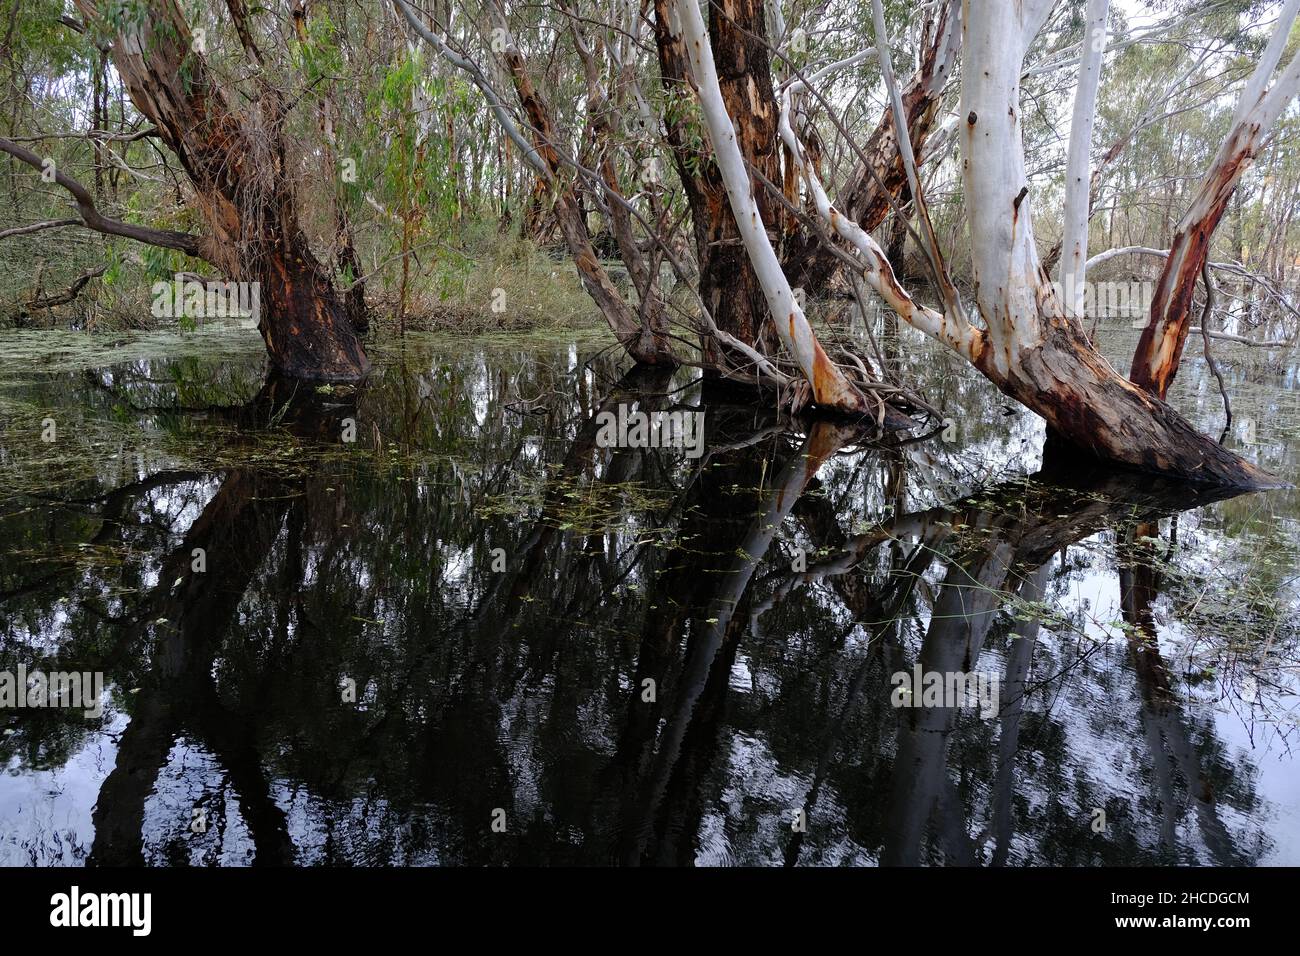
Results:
[119, 16]
[318, 57]
[36, 40]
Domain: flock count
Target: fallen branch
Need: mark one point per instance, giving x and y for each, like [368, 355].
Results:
[1242, 340]
[69, 294]
[100, 135]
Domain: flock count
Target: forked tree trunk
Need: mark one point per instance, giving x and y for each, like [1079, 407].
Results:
[237, 167]
[738, 38]
[1028, 348]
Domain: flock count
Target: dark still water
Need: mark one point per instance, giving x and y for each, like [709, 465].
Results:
[436, 621]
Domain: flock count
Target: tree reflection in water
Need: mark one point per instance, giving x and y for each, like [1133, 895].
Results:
[528, 690]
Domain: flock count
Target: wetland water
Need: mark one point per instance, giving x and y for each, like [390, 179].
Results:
[473, 635]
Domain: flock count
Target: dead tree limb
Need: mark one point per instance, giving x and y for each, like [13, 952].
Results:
[69, 294]
[39, 227]
[91, 217]
[1206, 315]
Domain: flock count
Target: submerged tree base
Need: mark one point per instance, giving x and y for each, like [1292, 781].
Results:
[1089, 405]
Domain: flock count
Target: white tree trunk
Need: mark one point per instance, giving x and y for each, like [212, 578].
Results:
[1003, 254]
[1078, 177]
[829, 386]
[1028, 347]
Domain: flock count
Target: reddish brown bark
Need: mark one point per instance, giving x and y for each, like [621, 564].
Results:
[1091, 406]
[738, 39]
[728, 285]
[236, 163]
[1160, 347]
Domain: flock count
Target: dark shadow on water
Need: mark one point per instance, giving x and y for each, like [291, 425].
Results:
[633, 657]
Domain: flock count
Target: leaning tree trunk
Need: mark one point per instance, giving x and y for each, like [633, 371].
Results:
[242, 182]
[646, 341]
[1029, 348]
[645, 337]
[729, 286]
[1160, 348]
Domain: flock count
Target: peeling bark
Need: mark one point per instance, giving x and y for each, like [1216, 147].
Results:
[1084, 400]
[237, 166]
[1160, 348]
[1031, 351]
[728, 283]
[830, 388]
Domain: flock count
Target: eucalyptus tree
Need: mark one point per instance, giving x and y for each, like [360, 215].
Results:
[732, 112]
[229, 139]
[640, 124]
[1020, 336]
[730, 316]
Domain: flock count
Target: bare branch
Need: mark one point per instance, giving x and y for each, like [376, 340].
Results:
[39, 227]
[91, 217]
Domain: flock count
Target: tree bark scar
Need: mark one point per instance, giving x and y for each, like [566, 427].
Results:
[824, 384]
